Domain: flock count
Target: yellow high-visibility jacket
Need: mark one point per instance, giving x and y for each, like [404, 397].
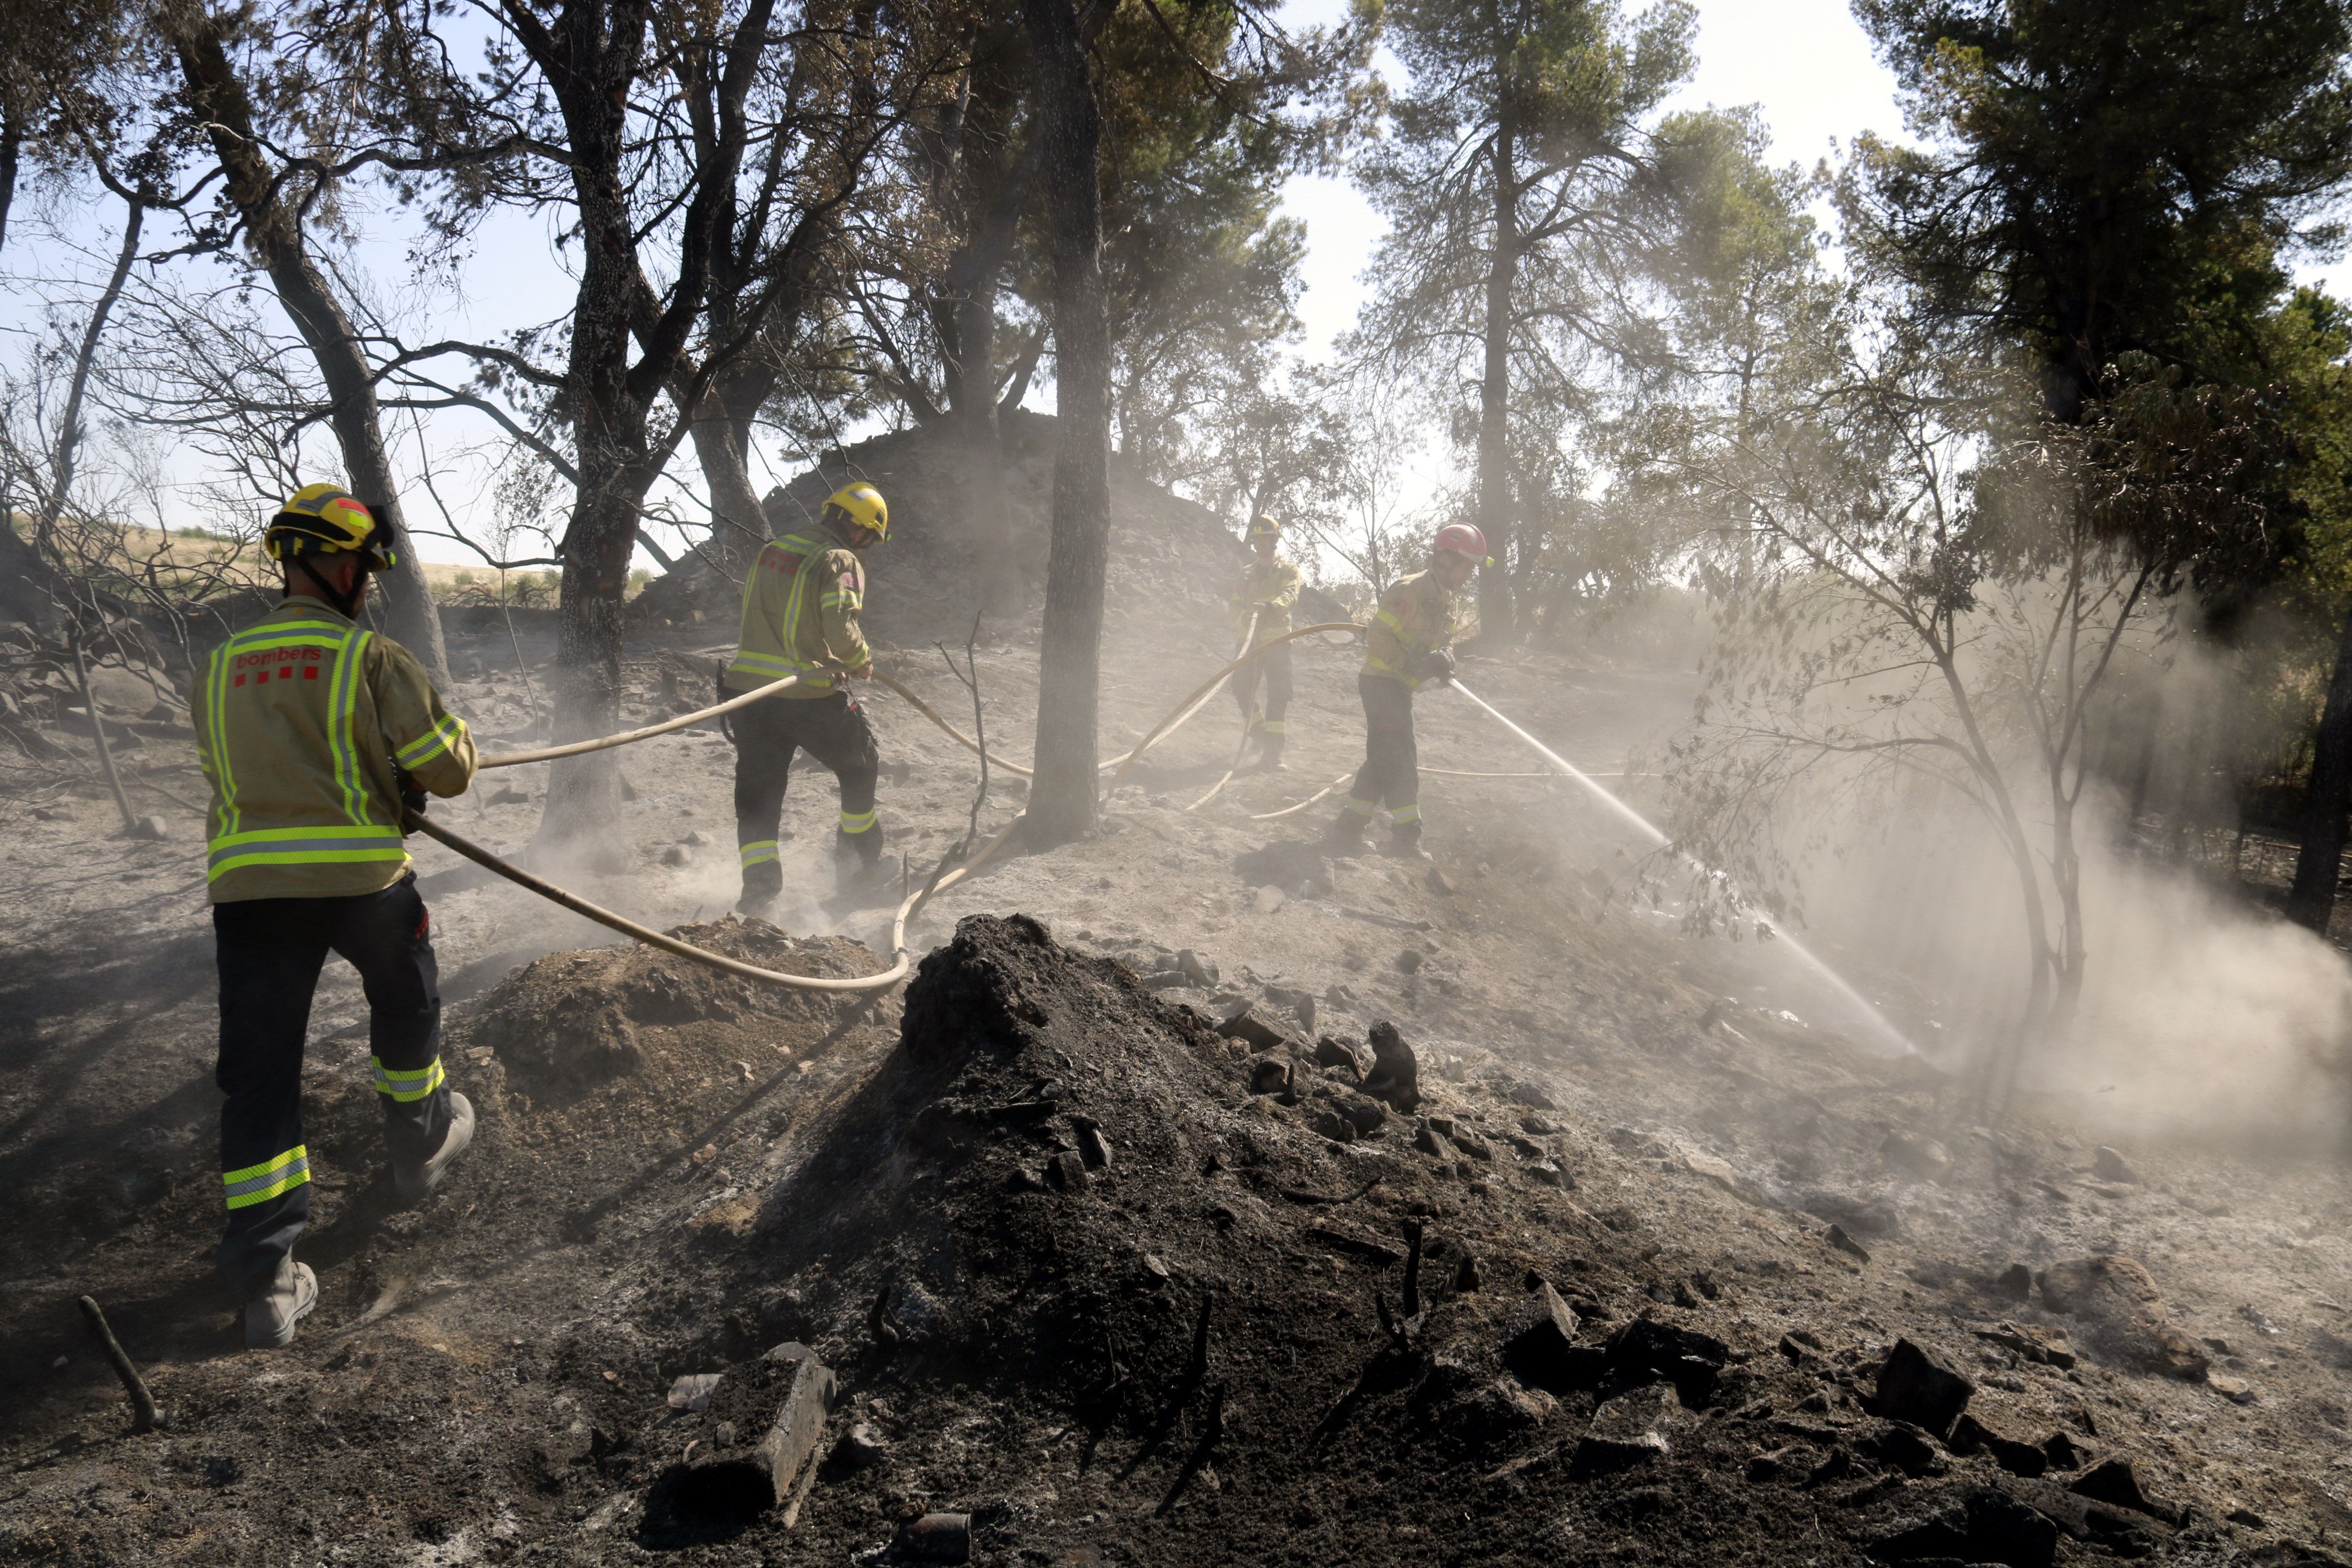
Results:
[800, 603]
[300, 719]
[1416, 615]
[1270, 587]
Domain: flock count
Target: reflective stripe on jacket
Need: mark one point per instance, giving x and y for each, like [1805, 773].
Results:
[1269, 587]
[1416, 615]
[299, 718]
[800, 603]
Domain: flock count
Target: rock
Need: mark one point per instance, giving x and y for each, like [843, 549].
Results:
[1971, 1435]
[937, 1538]
[1522, 1092]
[1368, 1114]
[1341, 1052]
[1778, 1465]
[1334, 1125]
[1466, 1274]
[1627, 1433]
[1430, 1141]
[1067, 1171]
[1093, 1147]
[1551, 1176]
[761, 1474]
[2115, 1482]
[1905, 1446]
[692, 1392]
[2016, 1282]
[1268, 898]
[2110, 1166]
[1646, 1351]
[2236, 1390]
[152, 828]
[2043, 1347]
[507, 794]
[1301, 1005]
[1409, 962]
[1542, 1347]
[697, 839]
[2121, 1314]
[1196, 969]
[2063, 1452]
[1438, 882]
[1253, 1030]
[1497, 1412]
[1269, 1075]
[1396, 1073]
[1840, 1241]
[1985, 1526]
[861, 1447]
[1922, 1157]
[677, 855]
[1915, 1386]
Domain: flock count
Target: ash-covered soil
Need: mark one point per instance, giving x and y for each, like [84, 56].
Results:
[1109, 1281]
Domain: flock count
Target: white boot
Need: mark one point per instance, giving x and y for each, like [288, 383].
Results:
[414, 1183]
[270, 1317]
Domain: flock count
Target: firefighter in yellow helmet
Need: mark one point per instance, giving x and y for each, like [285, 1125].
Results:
[1267, 588]
[1407, 646]
[802, 601]
[314, 732]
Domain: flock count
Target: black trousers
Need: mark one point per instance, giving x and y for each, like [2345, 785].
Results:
[834, 731]
[269, 953]
[1390, 776]
[1275, 663]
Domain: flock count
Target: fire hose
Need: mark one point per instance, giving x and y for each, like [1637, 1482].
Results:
[902, 961]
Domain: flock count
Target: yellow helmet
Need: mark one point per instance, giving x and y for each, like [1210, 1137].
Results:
[324, 519]
[1261, 526]
[859, 506]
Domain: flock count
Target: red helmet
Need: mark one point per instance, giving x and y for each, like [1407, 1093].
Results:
[1461, 539]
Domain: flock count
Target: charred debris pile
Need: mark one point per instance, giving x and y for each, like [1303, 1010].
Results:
[1079, 1275]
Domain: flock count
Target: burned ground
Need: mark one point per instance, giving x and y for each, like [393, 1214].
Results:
[1074, 1276]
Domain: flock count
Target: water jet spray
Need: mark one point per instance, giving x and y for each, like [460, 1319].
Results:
[1657, 835]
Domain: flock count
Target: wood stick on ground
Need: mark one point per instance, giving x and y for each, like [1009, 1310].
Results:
[144, 1416]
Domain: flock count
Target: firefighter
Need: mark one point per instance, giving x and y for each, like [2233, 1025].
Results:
[1406, 649]
[802, 600]
[314, 733]
[1267, 588]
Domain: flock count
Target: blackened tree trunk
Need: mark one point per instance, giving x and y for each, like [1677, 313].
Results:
[275, 234]
[12, 149]
[1061, 799]
[2312, 901]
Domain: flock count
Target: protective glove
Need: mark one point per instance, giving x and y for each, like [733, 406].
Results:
[412, 794]
[1438, 666]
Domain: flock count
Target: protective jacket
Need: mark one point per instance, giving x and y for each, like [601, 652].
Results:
[301, 720]
[800, 603]
[1417, 616]
[1270, 587]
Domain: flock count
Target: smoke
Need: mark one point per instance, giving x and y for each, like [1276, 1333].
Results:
[2203, 1015]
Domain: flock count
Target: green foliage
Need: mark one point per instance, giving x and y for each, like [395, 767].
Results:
[2104, 176]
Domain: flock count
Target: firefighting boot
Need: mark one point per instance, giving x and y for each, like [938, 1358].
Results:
[414, 1183]
[1346, 833]
[1269, 753]
[1404, 842]
[282, 1300]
